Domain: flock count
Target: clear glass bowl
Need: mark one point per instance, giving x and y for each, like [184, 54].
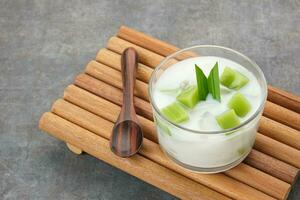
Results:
[207, 151]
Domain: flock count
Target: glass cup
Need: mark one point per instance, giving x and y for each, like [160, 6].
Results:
[207, 151]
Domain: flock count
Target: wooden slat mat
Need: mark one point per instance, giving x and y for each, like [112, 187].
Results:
[84, 118]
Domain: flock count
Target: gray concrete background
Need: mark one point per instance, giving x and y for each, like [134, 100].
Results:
[43, 44]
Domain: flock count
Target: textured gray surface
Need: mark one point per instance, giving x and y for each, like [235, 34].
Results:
[43, 44]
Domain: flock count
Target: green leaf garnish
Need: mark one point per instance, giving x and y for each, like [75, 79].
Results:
[214, 83]
[201, 83]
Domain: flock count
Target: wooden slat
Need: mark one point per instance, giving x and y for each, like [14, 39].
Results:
[272, 166]
[145, 56]
[278, 150]
[282, 115]
[280, 132]
[146, 41]
[284, 98]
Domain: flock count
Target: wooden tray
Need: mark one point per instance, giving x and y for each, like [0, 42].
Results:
[84, 118]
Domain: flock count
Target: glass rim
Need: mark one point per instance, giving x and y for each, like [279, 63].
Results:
[255, 114]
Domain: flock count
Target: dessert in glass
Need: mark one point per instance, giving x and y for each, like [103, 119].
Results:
[207, 102]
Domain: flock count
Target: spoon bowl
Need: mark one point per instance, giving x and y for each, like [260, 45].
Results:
[128, 136]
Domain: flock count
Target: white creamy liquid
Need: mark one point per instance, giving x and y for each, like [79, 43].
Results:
[206, 150]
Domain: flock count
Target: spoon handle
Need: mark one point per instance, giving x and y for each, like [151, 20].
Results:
[129, 62]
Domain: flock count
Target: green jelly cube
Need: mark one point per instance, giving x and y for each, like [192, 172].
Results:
[239, 104]
[239, 81]
[233, 79]
[227, 76]
[189, 96]
[175, 113]
[228, 119]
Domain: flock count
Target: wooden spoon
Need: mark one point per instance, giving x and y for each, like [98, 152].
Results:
[127, 136]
